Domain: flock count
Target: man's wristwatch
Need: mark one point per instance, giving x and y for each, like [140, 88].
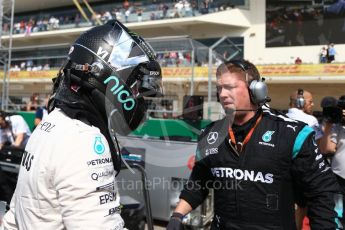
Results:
[175, 222]
[177, 215]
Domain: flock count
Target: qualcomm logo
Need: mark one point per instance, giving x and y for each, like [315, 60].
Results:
[212, 137]
[267, 137]
[98, 146]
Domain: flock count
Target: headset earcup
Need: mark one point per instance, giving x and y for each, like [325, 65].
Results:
[300, 102]
[258, 92]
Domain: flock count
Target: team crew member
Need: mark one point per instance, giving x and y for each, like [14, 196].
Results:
[13, 130]
[332, 144]
[256, 162]
[301, 109]
[67, 174]
[41, 112]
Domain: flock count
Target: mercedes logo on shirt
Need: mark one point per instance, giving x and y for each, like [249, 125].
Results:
[212, 137]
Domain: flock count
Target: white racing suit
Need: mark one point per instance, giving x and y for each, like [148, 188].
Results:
[66, 179]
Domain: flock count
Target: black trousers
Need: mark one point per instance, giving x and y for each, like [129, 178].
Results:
[5, 189]
[341, 182]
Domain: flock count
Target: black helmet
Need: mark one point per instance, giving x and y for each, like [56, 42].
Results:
[121, 66]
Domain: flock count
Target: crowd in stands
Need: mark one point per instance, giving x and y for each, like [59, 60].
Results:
[127, 12]
[308, 24]
[327, 54]
[165, 59]
[29, 65]
[174, 59]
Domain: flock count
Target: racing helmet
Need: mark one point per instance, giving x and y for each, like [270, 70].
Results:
[119, 65]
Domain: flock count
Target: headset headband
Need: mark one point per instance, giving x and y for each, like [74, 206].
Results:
[300, 92]
[244, 66]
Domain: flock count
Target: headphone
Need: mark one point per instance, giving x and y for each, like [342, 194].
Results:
[299, 102]
[258, 90]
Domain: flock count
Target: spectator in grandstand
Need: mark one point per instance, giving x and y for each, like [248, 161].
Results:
[95, 17]
[22, 65]
[298, 61]
[331, 53]
[53, 23]
[152, 16]
[29, 27]
[33, 103]
[39, 25]
[127, 14]
[246, 147]
[15, 68]
[16, 28]
[205, 7]
[36, 68]
[165, 8]
[126, 5]
[188, 58]
[72, 158]
[333, 144]
[45, 24]
[22, 26]
[107, 16]
[187, 8]
[118, 14]
[63, 20]
[5, 27]
[195, 8]
[77, 19]
[103, 19]
[140, 15]
[14, 130]
[178, 7]
[29, 64]
[323, 55]
[46, 66]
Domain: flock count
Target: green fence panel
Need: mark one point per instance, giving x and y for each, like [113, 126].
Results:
[160, 128]
[29, 117]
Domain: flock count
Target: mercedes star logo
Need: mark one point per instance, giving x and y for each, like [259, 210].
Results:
[212, 137]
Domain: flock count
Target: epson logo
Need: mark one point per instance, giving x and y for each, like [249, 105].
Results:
[117, 89]
[245, 175]
[109, 197]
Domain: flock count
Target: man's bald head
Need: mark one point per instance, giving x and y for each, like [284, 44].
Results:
[308, 101]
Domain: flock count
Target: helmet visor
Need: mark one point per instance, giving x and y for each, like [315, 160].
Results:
[129, 49]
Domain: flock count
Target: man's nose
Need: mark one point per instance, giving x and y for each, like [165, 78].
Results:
[222, 92]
